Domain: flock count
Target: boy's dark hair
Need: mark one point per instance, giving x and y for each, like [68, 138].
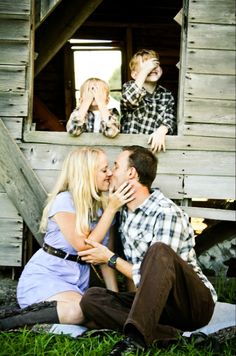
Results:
[145, 163]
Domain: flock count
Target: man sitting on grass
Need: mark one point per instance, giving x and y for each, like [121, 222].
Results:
[173, 295]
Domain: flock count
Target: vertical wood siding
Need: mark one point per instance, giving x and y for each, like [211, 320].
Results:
[209, 81]
[15, 24]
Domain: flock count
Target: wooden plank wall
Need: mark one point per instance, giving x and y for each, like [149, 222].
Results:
[11, 232]
[15, 26]
[190, 168]
[198, 163]
[209, 88]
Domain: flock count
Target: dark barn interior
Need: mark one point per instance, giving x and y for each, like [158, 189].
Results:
[130, 26]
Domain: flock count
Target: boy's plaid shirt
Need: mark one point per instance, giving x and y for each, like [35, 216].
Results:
[142, 112]
[110, 128]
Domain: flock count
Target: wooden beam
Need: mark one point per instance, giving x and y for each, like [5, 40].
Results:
[59, 27]
[96, 139]
[20, 183]
[210, 213]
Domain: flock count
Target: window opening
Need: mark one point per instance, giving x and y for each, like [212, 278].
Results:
[97, 58]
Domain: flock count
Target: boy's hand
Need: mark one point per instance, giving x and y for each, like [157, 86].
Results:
[148, 65]
[157, 139]
[87, 97]
[99, 95]
[144, 69]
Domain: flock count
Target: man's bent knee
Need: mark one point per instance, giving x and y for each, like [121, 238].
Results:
[89, 299]
[160, 247]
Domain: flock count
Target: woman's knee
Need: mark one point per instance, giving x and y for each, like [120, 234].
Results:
[74, 313]
[69, 309]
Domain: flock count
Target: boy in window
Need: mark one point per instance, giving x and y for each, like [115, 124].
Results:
[96, 112]
[147, 107]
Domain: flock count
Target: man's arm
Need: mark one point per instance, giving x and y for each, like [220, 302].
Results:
[100, 254]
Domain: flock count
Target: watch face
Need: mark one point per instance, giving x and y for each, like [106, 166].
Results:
[112, 261]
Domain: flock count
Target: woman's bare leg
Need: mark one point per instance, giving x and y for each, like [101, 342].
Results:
[68, 307]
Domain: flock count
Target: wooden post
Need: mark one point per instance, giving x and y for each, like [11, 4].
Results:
[20, 183]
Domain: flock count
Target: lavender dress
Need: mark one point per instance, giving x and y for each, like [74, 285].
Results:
[46, 275]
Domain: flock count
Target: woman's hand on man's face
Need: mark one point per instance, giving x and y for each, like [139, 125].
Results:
[123, 195]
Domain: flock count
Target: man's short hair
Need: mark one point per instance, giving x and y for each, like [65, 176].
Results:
[145, 163]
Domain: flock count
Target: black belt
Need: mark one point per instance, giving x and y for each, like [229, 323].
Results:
[59, 253]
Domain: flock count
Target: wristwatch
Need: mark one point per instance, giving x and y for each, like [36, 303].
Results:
[112, 261]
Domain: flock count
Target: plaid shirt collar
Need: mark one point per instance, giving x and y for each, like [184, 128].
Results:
[146, 207]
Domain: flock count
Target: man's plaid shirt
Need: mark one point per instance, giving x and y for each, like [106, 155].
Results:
[158, 219]
[142, 112]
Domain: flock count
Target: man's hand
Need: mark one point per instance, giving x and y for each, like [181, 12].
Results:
[157, 139]
[97, 254]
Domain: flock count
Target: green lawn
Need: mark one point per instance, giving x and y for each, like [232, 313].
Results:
[28, 343]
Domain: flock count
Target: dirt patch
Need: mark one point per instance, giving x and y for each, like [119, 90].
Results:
[7, 289]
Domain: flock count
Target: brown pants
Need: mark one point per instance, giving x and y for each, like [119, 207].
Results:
[170, 298]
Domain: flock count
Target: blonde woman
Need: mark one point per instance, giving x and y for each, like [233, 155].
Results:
[53, 281]
[96, 111]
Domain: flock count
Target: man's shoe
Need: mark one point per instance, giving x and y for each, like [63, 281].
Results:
[220, 336]
[124, 346]
[224, 334]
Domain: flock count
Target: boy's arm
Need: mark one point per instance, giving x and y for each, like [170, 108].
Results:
[170, 117]
[111, 125]
[75, 125]
[133, 91]
[158, 137]
[77, 121]
[131, 96]
[145, 68]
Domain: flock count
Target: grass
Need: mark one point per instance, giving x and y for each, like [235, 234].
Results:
[28, 343]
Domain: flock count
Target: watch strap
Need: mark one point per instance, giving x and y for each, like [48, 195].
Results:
[112, 261]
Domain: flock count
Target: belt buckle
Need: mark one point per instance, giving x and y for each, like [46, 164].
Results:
[66, 256]
[78, 259]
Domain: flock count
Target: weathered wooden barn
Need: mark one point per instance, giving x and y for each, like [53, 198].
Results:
[196, 42]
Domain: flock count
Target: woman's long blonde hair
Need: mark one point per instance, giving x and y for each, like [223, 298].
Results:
[78, 176]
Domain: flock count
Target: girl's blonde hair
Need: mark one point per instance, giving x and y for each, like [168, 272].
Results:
[96, 81]
[78, 176]
[145, 54]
